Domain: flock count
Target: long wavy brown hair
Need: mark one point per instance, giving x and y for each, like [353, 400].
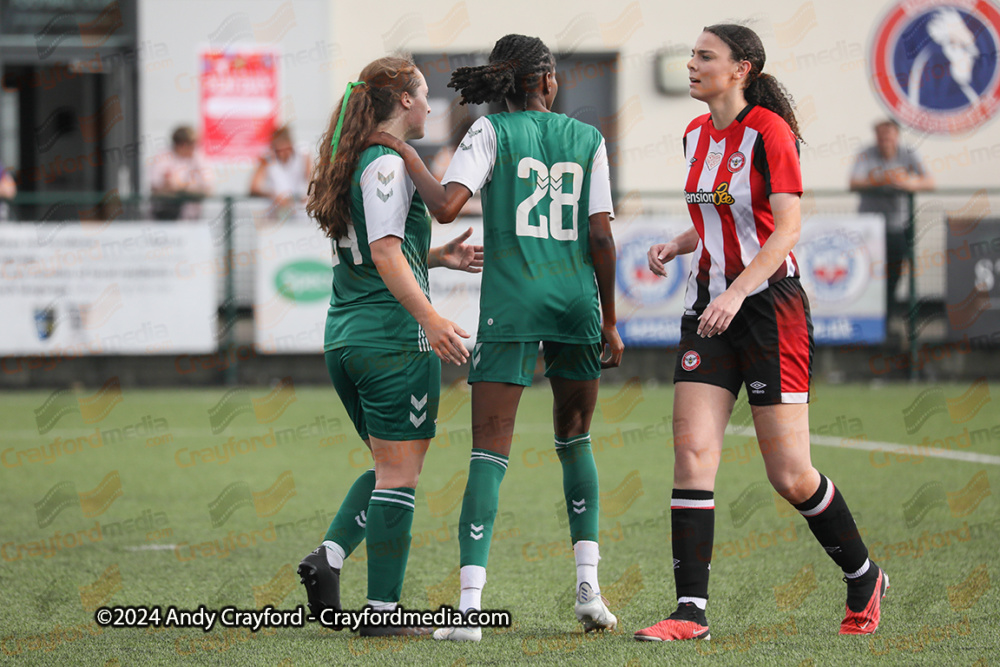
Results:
[386, 80]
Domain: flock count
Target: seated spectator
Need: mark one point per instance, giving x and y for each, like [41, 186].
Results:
[179, 178]
[283, 175]
[8, 188]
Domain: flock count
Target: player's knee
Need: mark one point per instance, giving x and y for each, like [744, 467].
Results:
[398, 478]
[573, 420]
[696, 459]
[793, 487]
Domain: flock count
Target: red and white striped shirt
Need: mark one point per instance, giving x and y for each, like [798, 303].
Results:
[731, 174]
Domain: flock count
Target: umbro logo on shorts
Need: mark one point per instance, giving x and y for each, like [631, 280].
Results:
[757, 387]
[690, 360]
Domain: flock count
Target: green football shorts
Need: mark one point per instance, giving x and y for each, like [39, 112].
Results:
[390, 394]
[515, 362]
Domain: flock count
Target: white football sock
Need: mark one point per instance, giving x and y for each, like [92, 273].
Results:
[473, 578]
[587, 554]
[701, 603]
[382, 606]
[334, 554]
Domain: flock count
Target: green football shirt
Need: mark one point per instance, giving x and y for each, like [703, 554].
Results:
[542, 176]
[363, 312]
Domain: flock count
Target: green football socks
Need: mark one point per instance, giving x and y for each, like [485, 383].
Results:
[479, 506]
[348, 528]
[390, 516]
[580, 486]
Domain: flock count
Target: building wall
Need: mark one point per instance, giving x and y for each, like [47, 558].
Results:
[171, 34]
[817, 49]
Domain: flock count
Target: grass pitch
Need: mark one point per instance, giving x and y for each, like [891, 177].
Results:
[191, 497]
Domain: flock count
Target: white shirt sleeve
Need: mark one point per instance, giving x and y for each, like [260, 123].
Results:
[472, 164]
[600, 183]
[387, 192]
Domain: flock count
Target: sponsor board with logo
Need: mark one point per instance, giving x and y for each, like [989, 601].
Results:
[116, 289]
[649, 307]
[972, 300]
[842, 259]
[293, 289]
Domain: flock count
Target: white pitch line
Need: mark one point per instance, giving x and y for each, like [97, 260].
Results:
[912, 451]
[152, 547]
[822, 440]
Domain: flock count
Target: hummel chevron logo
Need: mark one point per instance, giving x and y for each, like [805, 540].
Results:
[385, 178]
[476, 355]
[580, 506]
[384, 196]
[861, 626]
[464, 146]
[418, 405]
[473, 133]
[361, 519]
[677, 563]
[477, 531]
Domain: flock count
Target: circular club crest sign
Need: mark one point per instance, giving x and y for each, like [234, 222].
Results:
[934, 63]
[690, 361]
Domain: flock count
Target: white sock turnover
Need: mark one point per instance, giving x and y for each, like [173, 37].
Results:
[473, 578]
[587, 554]
[334, 554]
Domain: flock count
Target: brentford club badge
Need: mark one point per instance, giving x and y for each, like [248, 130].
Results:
[690, 360]
[736, 161]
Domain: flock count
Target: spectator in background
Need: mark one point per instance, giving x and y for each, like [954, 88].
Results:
[884, 174]
[283, 175]
[180, 177]
[8, 188]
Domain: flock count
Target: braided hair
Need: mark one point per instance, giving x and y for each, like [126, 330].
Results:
[761, 89]
[516, 65]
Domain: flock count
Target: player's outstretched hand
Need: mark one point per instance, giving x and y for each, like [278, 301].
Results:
[461, 256]
[445, 338]
[613, 342]
[719, 314]
[659, 255]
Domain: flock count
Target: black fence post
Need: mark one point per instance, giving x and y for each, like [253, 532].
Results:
[911, 319]
[231, 376]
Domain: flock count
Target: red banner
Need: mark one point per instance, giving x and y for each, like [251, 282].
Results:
[239, 102]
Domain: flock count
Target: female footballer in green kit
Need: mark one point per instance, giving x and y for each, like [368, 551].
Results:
[383, 338]
[549, 272]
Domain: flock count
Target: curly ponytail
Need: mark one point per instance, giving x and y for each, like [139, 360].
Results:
[761, 89]
[329, 199]
[515, 66]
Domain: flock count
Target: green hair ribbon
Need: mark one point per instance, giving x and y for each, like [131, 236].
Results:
[335, 141]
